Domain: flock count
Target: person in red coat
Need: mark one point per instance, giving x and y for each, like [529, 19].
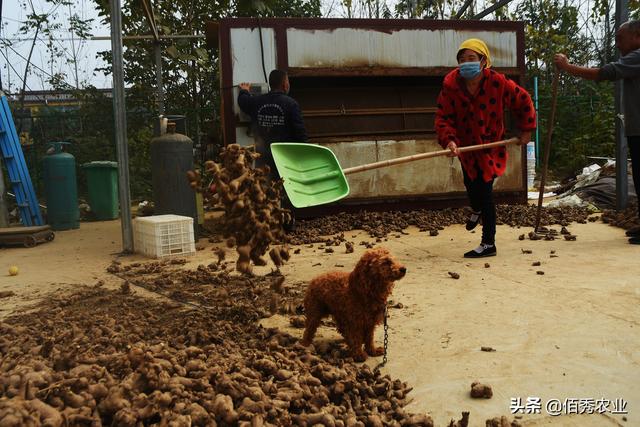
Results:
[470, 111]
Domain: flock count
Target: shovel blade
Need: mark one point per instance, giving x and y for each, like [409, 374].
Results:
[312, 174]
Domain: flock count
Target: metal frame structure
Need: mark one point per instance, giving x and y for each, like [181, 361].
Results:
[280, 27]
[120, 123]
[622, 151]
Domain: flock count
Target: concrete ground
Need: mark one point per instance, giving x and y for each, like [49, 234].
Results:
[572, 333]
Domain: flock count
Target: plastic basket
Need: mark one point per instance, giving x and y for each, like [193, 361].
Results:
[163, 236]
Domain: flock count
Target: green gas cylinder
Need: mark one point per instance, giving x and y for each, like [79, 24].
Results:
[61, 188]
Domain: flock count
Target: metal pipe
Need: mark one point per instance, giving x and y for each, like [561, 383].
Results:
[369, 112]
[159, 86]
[148, 13]
[491, 9]
[4, 213]
[99, 38]
[150, 37]
[463, 9]
[622, 183]
[10, 194]
[373, 132]
[120, 120]
[535, 97]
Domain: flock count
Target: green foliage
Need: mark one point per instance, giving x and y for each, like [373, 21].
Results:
[584, 124]
[189, 71]
[427, 9]
[89, 128]
[189, 68]
[634, 9]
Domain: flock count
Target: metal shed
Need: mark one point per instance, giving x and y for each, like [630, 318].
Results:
[368, 89]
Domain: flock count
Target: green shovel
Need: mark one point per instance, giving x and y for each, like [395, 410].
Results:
[313, 176]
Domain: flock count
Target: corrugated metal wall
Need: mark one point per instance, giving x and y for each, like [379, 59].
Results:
[430, 176]
[247, 65]
[362, 49]
[348, 47]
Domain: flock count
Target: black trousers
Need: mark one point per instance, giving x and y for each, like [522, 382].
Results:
[634, 151]
[480, 195]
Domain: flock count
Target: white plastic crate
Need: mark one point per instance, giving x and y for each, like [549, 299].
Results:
[163, 236]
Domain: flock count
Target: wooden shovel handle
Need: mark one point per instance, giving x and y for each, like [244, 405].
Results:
[421, 156]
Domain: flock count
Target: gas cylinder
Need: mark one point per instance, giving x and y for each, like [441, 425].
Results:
[171, 158]
[61, 188]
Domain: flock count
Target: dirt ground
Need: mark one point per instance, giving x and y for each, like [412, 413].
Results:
[570, 333]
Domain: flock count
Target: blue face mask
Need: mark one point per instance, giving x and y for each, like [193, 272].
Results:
[469, 70]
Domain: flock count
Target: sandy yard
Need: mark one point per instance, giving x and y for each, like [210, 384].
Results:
[570, 333]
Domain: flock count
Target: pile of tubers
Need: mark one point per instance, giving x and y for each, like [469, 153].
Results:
[237, 298]
[626, 219]
[100, 357]
[380, 225]
[254, 218]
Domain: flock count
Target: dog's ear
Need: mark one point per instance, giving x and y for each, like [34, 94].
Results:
[362, 275]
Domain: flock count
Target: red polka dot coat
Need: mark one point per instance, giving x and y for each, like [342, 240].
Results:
[473, 120]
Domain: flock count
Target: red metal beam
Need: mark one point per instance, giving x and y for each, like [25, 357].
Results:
[383, 71]
[226, 85]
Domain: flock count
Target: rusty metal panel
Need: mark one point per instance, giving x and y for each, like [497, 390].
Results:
[375, 117]
[344, 107]
[429, 176]
[403, 48]
[513, 179]
[421, 178]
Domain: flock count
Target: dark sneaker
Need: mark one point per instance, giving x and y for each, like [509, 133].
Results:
[634, 240]
[633, 232]
[482, 251]
[473, 220]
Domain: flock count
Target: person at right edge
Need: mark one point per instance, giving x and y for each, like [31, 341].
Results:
[470, 111]
[627, 68]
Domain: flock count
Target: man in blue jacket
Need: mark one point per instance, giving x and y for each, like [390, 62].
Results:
[275, 117]
[627, 68]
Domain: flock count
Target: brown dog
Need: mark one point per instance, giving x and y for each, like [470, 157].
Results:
[356, 301]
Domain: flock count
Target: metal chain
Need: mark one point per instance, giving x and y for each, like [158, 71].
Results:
[386, 341]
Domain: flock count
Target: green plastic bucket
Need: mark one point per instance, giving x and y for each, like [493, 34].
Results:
[102, 183]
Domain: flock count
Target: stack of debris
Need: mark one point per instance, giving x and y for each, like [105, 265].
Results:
[595, 187]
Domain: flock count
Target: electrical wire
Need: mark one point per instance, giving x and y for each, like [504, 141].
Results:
[264, 69]
[14, 70]
[1, 85]
[40, 69]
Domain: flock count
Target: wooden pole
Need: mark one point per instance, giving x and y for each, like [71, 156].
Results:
[547, 147]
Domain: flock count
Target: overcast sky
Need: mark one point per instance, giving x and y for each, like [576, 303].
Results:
[13, 56]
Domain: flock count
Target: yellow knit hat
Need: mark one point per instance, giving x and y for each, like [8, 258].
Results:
[477, 46]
